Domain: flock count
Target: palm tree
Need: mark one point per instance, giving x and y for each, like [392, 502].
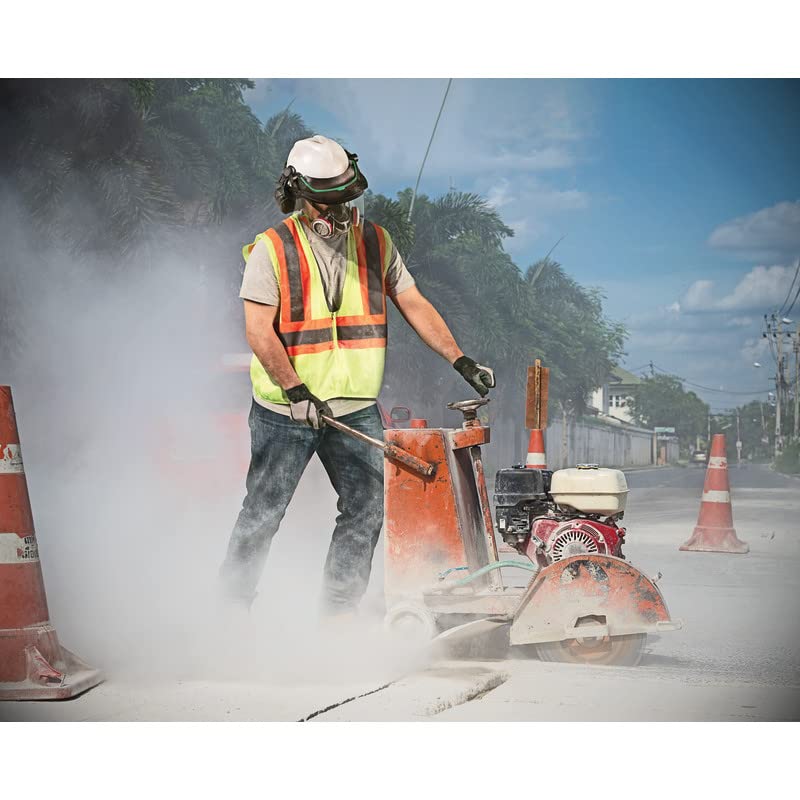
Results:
[454, 248]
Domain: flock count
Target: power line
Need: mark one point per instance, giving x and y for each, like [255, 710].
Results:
[791, 287]
[636, 369]
[427, 149]
[706, 388]
[796, 295]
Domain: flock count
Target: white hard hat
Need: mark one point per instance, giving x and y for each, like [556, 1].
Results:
[318, 157]
[320, 170]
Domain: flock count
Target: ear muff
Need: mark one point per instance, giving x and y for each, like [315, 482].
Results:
[285, 196]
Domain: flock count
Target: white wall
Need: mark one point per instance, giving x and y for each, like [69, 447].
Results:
[607, 446]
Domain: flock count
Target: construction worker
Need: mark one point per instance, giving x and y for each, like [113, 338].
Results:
[314, 291]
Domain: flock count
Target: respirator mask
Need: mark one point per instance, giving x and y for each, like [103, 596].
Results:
[336, 220]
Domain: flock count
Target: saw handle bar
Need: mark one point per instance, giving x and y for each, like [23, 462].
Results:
[389, 450]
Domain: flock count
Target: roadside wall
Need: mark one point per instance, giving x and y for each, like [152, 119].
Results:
[672, 450]
[605, 445]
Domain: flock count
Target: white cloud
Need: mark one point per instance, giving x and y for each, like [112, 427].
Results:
[741, 322]
[768, 233]
[761, 288]
[699, 296]
[509, 126]
[699, 349]
[529, 206]
[513, 142]
[755, 350]
[500, 194]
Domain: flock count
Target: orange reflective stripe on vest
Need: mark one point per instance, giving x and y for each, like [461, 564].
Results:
[341, 353]
[297, 329]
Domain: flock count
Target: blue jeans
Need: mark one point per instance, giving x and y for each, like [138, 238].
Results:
[280, 451]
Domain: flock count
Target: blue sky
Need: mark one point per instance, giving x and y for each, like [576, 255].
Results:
[679, 199]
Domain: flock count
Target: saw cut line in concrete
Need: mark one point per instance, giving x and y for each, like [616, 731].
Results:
[344, 702]
[476, 692]
[423, 695]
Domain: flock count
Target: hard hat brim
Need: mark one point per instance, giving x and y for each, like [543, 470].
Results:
[341, 189]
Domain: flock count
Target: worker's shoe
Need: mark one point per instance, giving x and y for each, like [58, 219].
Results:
[340, 619]
[345, 624]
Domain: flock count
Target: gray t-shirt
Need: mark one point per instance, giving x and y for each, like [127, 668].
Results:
[260, 285]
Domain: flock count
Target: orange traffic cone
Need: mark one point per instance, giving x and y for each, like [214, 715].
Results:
[33, 665]
[536, 458]
[714, 532]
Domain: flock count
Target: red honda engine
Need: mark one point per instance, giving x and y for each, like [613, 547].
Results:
[552, 539]
[532, 523]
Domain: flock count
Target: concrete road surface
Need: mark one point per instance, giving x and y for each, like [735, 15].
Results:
[737, 657]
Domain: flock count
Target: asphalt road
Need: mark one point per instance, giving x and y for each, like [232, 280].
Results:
[738, 654]
[736, 658]
[167, 657]
[748, 476]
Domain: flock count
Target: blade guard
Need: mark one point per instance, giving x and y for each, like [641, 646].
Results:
[622, 599]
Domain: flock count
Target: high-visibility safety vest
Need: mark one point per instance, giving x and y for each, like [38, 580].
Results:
[337, 353]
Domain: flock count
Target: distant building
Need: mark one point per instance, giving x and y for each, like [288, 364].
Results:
[614, 396]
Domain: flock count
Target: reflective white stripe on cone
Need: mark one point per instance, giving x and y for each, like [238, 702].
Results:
[536, 458]
[33, 664]
[714, 532]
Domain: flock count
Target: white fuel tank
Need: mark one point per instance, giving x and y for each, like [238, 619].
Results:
[590, 489]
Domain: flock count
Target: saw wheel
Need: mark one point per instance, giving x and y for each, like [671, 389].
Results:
[624, 651]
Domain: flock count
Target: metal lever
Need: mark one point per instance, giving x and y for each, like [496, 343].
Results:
[389, 450]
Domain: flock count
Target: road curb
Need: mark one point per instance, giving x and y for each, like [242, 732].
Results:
[651, 468]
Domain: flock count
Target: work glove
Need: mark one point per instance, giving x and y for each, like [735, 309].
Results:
[306, 408]
[480, 378]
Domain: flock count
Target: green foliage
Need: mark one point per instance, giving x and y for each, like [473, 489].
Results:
[117, 167]
[756, 424]
[454, 248]
[788, 461]
[108, 165]
[660, 401]
[578, 342]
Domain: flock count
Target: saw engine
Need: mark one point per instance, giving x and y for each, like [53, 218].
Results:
[548, 525]
[581, 603]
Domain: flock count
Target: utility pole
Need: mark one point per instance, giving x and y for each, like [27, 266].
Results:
[796, 430]
[738, 440]
[778, 386]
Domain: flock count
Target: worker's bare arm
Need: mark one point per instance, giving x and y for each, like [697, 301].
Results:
[264, 342]
[427, 322]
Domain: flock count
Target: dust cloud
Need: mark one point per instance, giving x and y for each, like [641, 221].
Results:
[135, 445]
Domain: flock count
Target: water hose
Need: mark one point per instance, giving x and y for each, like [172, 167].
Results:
[495, 565]
[443, 575]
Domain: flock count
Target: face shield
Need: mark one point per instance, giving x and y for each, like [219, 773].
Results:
[339, 200]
